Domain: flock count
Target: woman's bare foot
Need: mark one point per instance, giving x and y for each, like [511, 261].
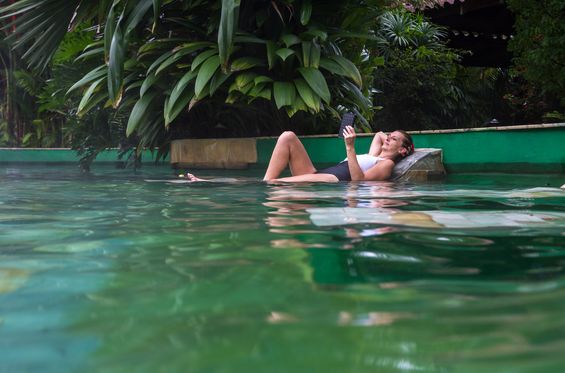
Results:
[191, 177]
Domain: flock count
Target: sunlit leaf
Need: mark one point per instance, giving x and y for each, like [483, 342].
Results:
[243, 82]
[262, 79]
[284, 53]
[310, 54]
[296, 107]
[245, 63]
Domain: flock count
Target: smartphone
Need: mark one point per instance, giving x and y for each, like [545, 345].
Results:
[346, 120]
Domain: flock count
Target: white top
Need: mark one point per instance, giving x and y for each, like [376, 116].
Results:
[366, 161]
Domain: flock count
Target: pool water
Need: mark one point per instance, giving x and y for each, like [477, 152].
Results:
[120, 271]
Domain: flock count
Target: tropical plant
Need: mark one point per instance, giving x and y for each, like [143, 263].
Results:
[161, 60]
[539, 53]
[417, 82]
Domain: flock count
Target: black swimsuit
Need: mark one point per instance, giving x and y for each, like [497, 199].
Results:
[340, 170]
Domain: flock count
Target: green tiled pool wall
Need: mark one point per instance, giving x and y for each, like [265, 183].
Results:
[63, 155]
[521, 149]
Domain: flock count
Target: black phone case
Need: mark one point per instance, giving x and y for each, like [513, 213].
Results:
[346, 120]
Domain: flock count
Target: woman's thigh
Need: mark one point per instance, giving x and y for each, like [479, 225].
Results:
[299, 161]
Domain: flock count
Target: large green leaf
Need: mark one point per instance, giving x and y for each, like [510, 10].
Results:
[206, 72]
[296, 107]
[262, 79]
[248, 38]
[137, 13]
[356, 95]
[181, 94]
[116, 64]
[158, 44]
[109, 29]
[284, 53]
[350, 69]
[93, 101]
[305, 12]
[271, 53]
[316, 81]
[290, 39]
[156, 12]
[139, 112]
[147, 83]
[88, 78]
[245, 63]
[311, 54]
[311, 99]
[284, 93]
[159, 61]
[202, 56]
[314, 33]
[86, 97]
[256, 90]
[265, 93]
[217, 80]
[332, 66]
[89, 53]
[243, 82]
[226, 31]
[178, 53]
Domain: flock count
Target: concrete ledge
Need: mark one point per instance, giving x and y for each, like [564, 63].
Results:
[233, 153]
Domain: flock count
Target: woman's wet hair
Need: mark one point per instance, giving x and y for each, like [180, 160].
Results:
[407, 142]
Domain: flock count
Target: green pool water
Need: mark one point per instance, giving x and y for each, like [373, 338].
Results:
[121, 271]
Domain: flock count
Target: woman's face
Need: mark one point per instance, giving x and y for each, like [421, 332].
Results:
[395, 143]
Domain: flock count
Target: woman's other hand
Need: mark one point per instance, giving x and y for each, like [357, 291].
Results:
[349, 136]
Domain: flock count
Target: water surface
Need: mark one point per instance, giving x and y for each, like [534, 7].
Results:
[118, 270]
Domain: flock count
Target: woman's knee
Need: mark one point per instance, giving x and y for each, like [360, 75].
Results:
[288, 137]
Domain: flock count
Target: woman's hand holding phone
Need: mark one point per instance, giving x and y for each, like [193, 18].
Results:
[349, 136]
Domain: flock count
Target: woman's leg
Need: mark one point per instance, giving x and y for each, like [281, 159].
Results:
[289, 151]
[316, 178]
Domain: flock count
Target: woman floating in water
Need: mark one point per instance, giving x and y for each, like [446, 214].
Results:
[376, 165]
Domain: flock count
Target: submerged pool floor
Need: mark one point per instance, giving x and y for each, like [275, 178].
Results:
[117, 270]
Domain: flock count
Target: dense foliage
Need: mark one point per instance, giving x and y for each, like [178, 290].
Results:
[418, 75]
[539, 55]
[156, 59]
[134, 74]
